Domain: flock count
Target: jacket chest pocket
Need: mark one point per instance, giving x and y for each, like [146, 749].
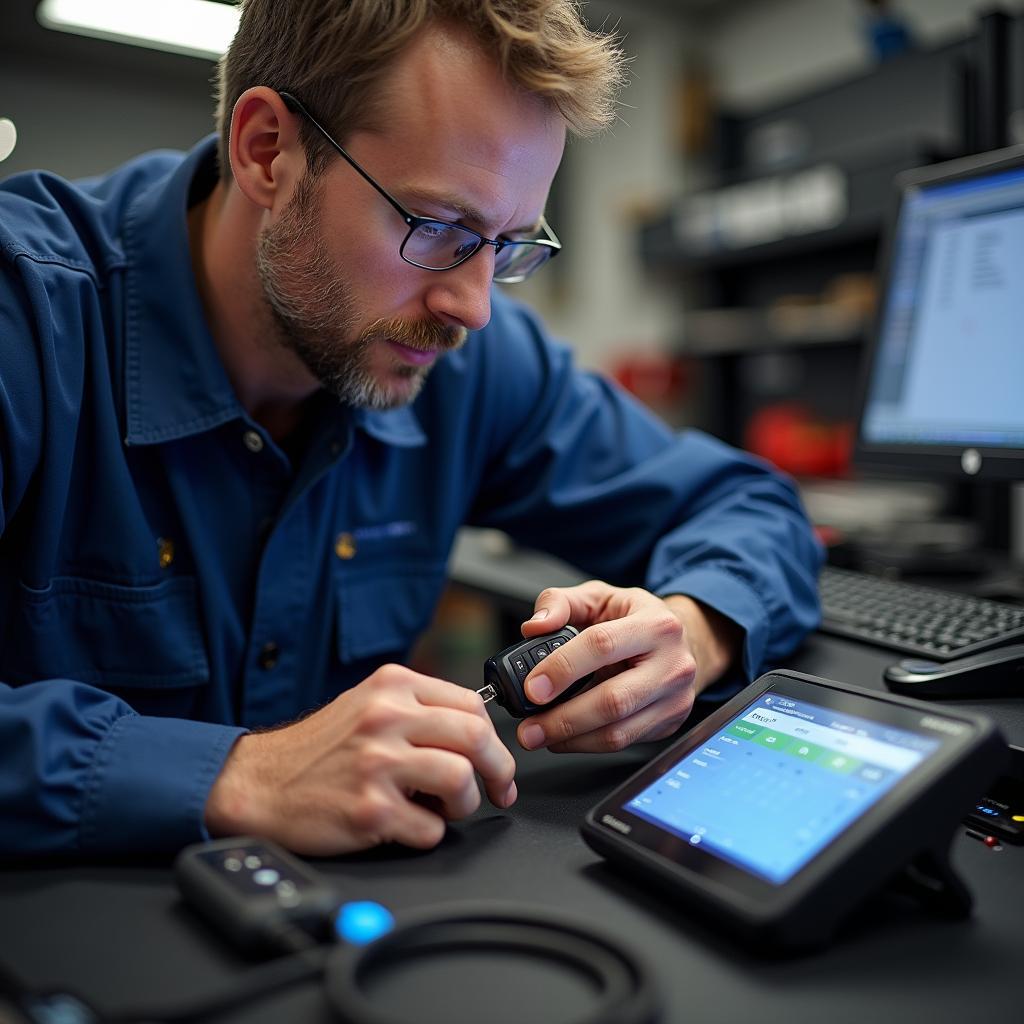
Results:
[144, 637]
[383, 611]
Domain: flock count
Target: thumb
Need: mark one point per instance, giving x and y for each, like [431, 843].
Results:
[551, 612]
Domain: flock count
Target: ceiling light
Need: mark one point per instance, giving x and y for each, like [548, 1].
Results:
[199, 28]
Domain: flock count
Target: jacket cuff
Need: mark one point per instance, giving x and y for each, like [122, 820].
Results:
[732, 596]
[149, 782]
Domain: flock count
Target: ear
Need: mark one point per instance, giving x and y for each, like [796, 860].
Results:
[267, 157]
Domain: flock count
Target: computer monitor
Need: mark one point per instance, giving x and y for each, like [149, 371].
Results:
[943, 386]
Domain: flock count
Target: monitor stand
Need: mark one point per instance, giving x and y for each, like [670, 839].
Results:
[1017, 523]
[978, 550]
[1004, 580]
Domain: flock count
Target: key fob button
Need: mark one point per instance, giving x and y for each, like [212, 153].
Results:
[520, 665]
[539, 652]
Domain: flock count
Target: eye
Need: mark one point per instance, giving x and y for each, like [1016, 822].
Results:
[434, 230]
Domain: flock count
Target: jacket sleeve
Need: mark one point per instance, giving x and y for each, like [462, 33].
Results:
[80, 771]
[585, 472]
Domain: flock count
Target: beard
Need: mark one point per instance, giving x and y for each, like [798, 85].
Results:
[313, 313]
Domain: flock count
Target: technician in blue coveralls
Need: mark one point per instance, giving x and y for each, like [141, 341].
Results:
[243, 413]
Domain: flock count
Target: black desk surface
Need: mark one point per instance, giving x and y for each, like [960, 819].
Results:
[118, 935]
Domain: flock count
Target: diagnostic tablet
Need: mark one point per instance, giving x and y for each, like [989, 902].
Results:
[781, 811]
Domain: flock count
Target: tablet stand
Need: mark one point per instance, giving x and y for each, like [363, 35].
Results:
[929, 879]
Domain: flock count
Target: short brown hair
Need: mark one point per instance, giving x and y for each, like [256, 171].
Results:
[332, 53]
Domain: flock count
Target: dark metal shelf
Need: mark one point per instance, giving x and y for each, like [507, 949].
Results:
[719, 332]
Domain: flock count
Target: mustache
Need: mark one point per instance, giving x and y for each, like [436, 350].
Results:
[425, 335]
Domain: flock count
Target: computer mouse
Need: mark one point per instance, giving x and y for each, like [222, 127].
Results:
[996, 673]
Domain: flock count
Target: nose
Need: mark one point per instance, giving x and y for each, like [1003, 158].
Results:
[461, 297]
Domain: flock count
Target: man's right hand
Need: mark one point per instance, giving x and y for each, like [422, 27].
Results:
[350, 775]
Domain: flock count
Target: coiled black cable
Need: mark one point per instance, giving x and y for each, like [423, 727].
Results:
[623, 990]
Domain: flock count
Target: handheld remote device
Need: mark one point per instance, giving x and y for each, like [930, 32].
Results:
[259, 896]
[505, 673]
[780, 812]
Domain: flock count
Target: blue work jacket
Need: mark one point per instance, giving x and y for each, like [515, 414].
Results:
[169, 576]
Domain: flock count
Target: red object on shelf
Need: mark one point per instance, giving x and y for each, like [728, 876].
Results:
[788, 435]
[654, 378]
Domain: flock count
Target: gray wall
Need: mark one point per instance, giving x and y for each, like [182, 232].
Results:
[767, 51]
[81, 106]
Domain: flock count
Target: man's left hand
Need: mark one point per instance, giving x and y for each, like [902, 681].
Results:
[651, 656]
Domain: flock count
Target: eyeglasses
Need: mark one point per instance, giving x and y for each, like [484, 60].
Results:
[440, 245]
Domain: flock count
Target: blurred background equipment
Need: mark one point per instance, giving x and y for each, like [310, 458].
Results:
[887, 32]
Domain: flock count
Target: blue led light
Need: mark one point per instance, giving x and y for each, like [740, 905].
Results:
[362, 921]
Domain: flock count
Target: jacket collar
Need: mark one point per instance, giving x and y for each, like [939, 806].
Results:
[398, 427]
[175, 383]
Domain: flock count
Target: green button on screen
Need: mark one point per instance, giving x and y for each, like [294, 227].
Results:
[807, 751]
[842, 763]
[743, 730]
[774, 740]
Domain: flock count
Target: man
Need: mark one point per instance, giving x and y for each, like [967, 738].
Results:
[244, 414]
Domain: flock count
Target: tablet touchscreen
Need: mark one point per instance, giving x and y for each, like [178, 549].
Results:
[781, 780]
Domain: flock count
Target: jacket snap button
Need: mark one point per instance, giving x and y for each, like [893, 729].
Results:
[252, 441]
[268, 656]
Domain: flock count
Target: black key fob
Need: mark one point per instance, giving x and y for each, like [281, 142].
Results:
[505, 673]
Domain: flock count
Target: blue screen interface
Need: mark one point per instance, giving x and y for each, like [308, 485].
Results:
[779, 782]
[949, 361]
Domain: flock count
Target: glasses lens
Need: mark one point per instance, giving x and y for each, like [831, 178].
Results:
[518, 260]
[438, 246]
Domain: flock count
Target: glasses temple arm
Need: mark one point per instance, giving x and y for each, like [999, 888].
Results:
[296, 106]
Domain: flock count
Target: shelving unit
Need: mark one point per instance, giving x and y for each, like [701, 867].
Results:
[763, 253]
[727, 332]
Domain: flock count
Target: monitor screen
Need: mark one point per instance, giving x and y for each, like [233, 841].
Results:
[943, 388]
[774, 786]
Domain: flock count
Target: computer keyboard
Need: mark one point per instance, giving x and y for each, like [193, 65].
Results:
[913, 618]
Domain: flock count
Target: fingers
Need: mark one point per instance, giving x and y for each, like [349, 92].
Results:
[433, 692]
[445, 716]
[632, 639]
[556, 606]
[658, 720]
[454, 718]
[394, 809]
[384, 815]
[597, 646]
[398, 793]
[478, 746]
[348, 776]
[611, 714]
[411, 801]
[612, 701]
[443, 775]
[623, 710]
[646, 628]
